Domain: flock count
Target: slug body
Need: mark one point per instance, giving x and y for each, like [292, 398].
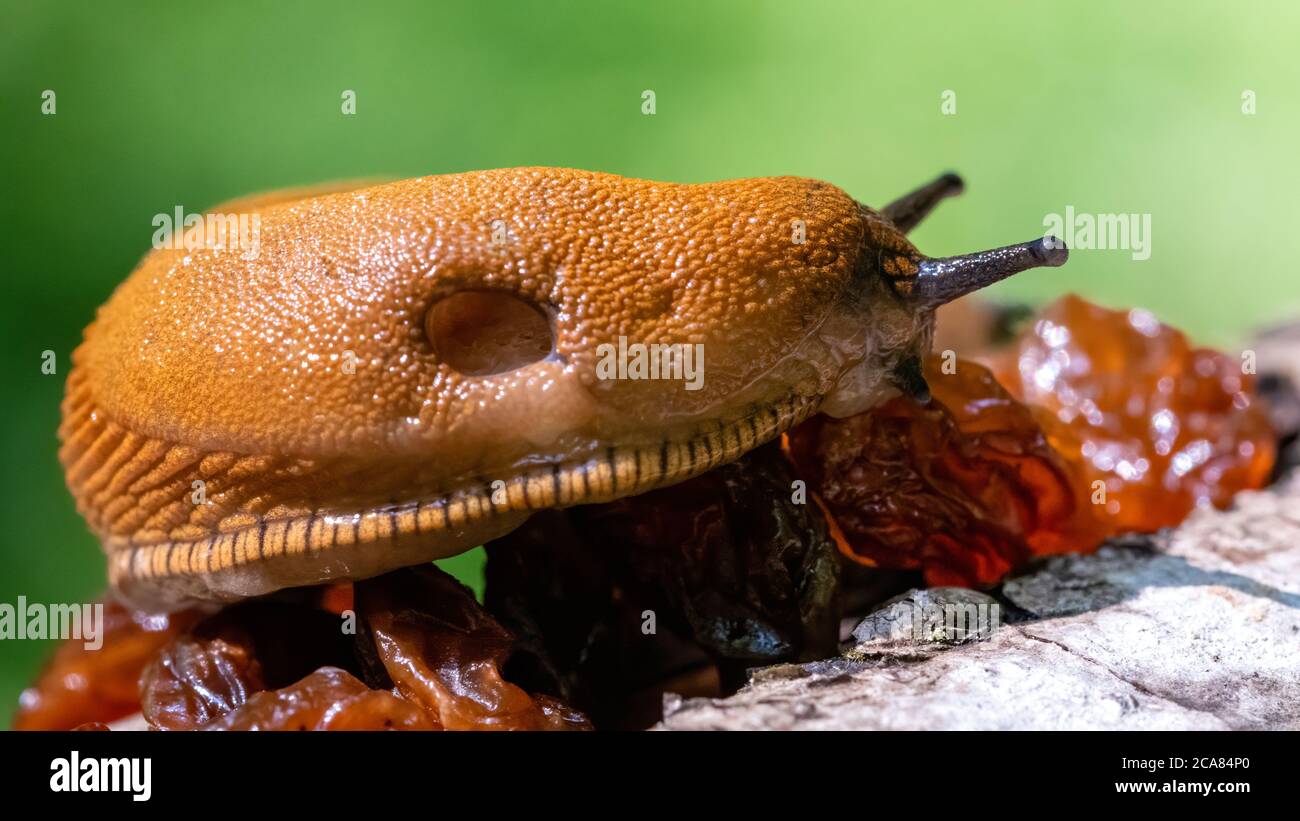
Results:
[368, 390]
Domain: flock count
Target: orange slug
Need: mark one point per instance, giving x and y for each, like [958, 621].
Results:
[397, 373]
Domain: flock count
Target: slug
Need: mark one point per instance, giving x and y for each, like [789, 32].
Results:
[403, 371]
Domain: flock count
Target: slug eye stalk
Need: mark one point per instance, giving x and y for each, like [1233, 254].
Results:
[947, 278]
[909, 210]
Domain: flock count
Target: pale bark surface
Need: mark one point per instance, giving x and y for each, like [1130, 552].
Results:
[1196, 627]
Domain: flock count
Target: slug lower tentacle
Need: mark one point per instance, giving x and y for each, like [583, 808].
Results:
[400, 372]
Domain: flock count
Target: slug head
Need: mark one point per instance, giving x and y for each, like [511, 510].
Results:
[903, 288]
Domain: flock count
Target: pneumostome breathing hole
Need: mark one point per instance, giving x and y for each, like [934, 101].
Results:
[486, 332]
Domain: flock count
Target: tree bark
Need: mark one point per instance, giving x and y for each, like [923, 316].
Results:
[1197, 627]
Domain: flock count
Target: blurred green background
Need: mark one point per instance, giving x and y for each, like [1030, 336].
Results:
[1106, 106]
